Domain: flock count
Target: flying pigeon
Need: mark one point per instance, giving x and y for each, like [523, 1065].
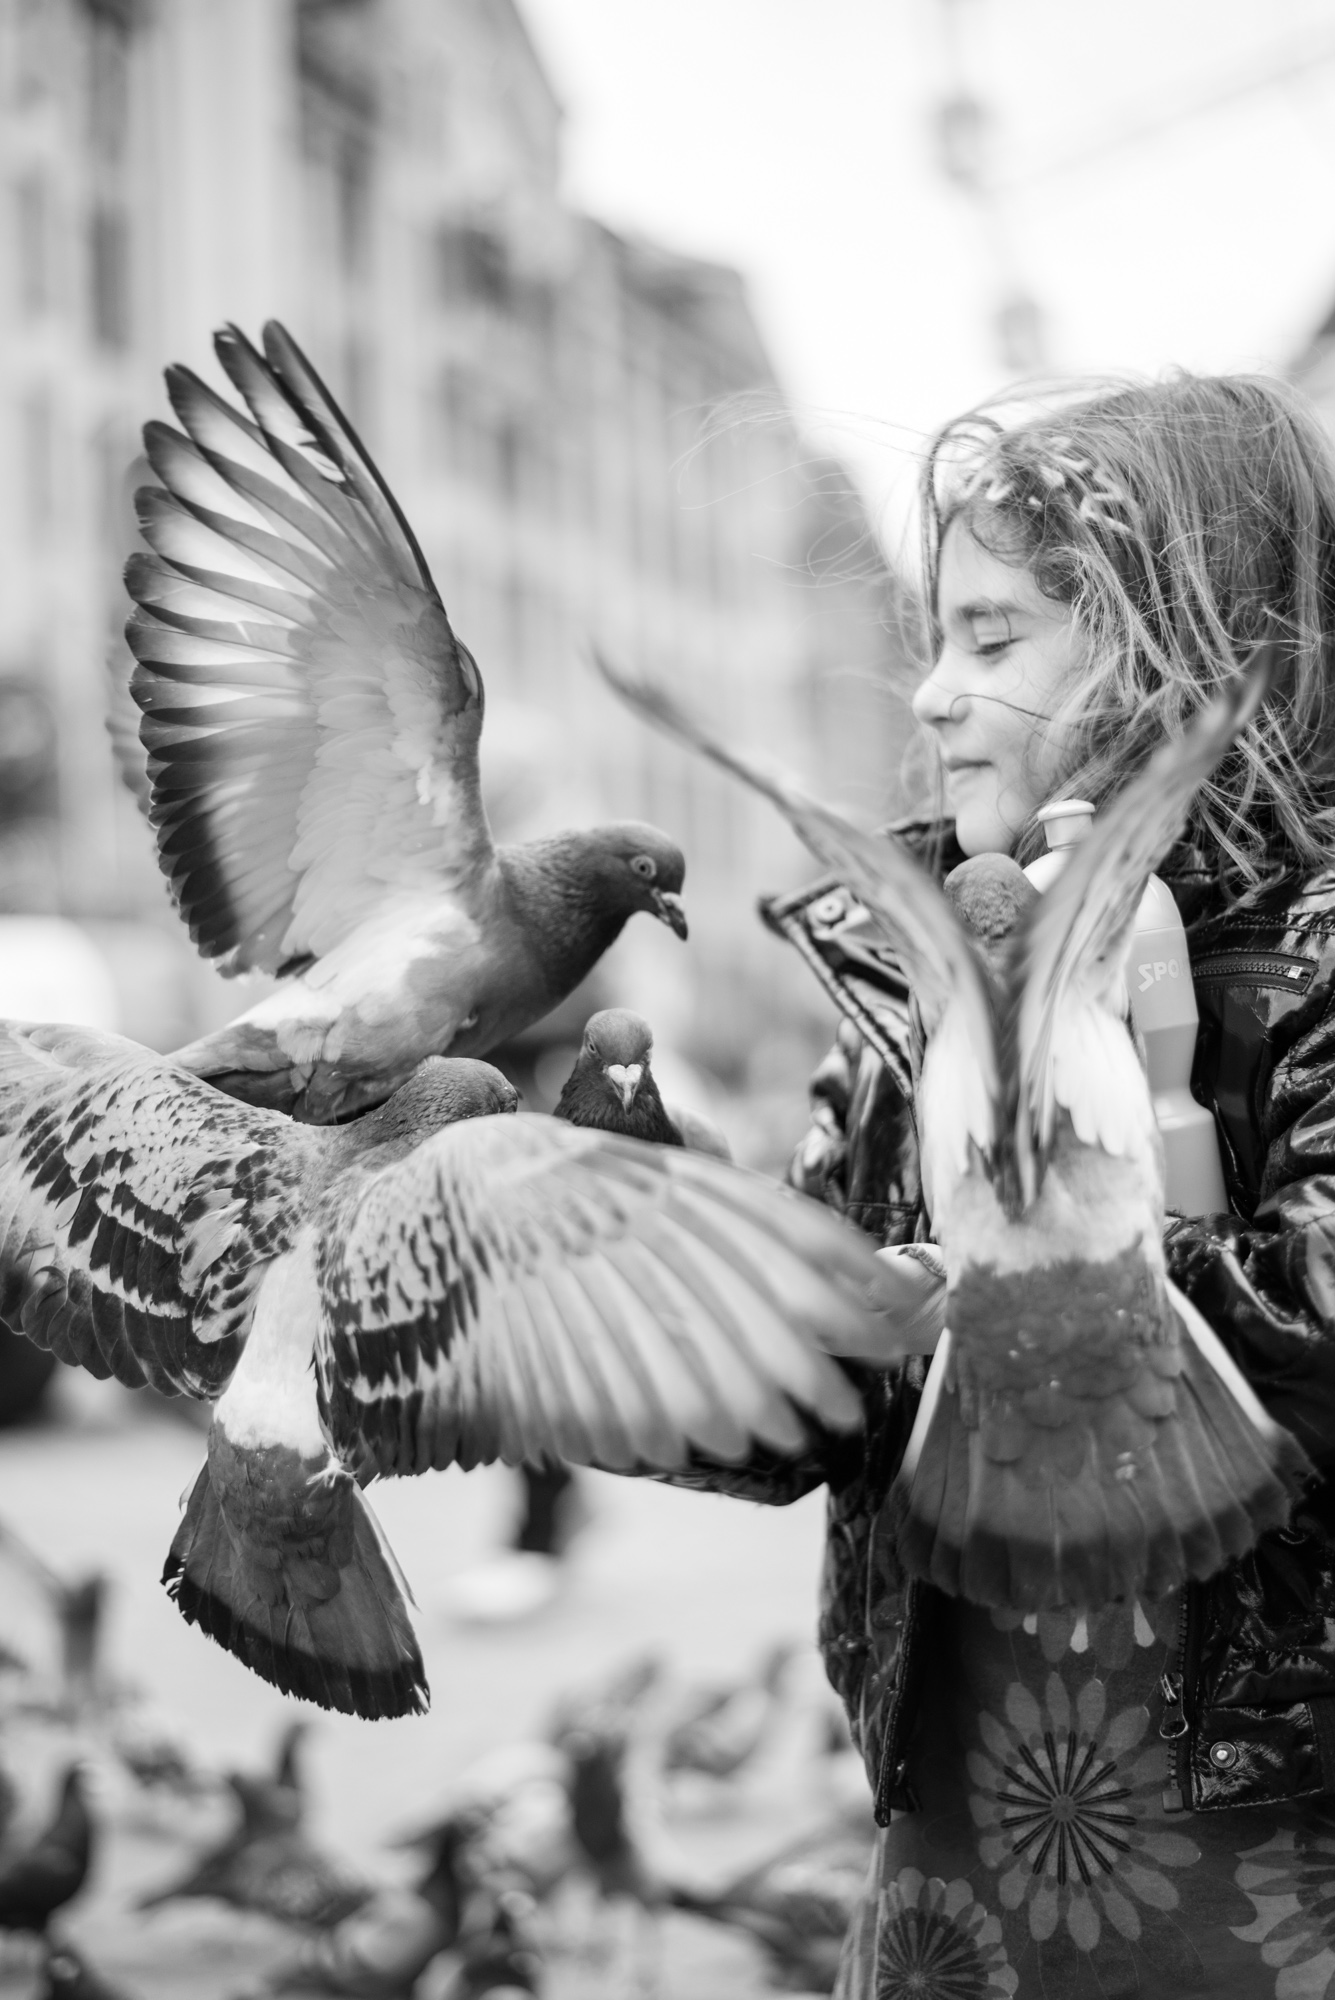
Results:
[439, 1281]
[311, 725]
[1082, 1435]
[612, 1088]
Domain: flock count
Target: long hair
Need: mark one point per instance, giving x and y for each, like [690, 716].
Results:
[1171, 517]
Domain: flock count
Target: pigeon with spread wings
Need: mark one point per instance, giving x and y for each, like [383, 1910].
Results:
[1082, 1434]
[439, 1281]
[311, 725]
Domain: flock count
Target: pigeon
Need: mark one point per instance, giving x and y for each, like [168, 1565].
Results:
[720, 1730]
[267, 1863]
[311, 727]
[612, 1088]
[43, 1877]
[440, 1281]
[1083, 1435]
[797, 1904]
[67, 1975]
[78, 1611]
[499, 1954]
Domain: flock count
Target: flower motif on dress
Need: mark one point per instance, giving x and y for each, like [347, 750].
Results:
[935, 1941]
[1061, 1796]
[1111, 1635]
[1290, 1882]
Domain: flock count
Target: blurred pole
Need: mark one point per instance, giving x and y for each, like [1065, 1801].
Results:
[964, 125]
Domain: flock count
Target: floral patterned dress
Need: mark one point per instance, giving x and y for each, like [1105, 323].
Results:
[1045, 1861]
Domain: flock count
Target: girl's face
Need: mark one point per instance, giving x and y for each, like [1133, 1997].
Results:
[1006, 660]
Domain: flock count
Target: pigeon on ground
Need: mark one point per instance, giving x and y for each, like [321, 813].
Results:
[612, 1088]
[268, 1863]
[440, 1281]
[797, 1904]
[67, 1975]
[77, 1609]
[1083, 1435]
[499, 1955]
[719, 1730]
[311, 726]
[43, 1877]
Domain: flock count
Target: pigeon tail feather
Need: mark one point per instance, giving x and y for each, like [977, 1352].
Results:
[329, 1624]
[1095, 1525]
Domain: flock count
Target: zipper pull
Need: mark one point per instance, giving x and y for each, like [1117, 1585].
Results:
[1173, 1725]
[1173, 1722]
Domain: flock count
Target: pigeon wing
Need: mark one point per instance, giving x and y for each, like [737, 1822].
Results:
[310, 720]
[521, 1288]
[1073, 942]
[138, 1207]
[938, 957]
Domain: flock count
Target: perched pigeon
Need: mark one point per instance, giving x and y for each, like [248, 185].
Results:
[401, 1292]
[613, 1089]
[41, 1878]
[1083, 1435]
[311, 725]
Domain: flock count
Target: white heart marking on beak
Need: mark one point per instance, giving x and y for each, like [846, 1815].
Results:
[625, 1079]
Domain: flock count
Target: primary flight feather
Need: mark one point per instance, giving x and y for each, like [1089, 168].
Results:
[311, 726]
[1082, 1434]
[441, 1281]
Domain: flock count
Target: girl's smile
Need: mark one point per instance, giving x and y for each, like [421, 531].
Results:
[1005, 662]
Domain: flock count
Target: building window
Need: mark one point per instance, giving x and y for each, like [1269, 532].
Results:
[32, 227]
[108, 89]
[470, 264]
[39, 462]
[109, 250]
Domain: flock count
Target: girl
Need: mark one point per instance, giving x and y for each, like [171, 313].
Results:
[1140, 1801]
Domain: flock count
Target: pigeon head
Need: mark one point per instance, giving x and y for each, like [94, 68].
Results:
[990, 894]
[619, 1044]
[441, 1091]
[644, 869]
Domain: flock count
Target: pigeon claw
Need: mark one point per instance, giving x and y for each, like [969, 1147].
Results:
[669, 910]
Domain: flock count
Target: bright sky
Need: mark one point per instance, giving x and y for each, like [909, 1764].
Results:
[794, 139]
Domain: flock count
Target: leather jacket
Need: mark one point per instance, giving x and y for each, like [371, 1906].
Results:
[1249, 1694]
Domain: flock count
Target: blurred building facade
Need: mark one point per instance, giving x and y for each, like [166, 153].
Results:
[585, 431]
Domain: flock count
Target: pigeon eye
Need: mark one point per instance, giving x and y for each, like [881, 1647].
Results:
[644, 864]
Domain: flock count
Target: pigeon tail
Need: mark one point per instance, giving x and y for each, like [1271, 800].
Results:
[278, 1556]
[312, 1602]
[1166, 1482]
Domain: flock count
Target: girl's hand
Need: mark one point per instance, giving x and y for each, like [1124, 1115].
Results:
[920, 1313]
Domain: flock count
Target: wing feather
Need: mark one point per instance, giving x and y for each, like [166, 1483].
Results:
[1070, 950]
[138, 1207]
[306, 710]
[520, 1287]
[937, 953]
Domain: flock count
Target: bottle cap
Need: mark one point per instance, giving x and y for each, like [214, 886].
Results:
[1066, 822]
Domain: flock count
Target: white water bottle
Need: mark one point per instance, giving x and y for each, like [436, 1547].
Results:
[1163, 1002]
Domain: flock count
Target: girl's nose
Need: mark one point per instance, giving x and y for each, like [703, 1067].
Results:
[934, 701]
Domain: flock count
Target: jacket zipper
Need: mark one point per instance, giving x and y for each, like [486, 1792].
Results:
[1174, 1723]
[889, 1760]
[1255, 968]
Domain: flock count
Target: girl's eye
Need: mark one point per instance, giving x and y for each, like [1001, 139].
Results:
[989, 640]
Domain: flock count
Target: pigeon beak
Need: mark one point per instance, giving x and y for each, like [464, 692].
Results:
[625, 1080]
[668, 909]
